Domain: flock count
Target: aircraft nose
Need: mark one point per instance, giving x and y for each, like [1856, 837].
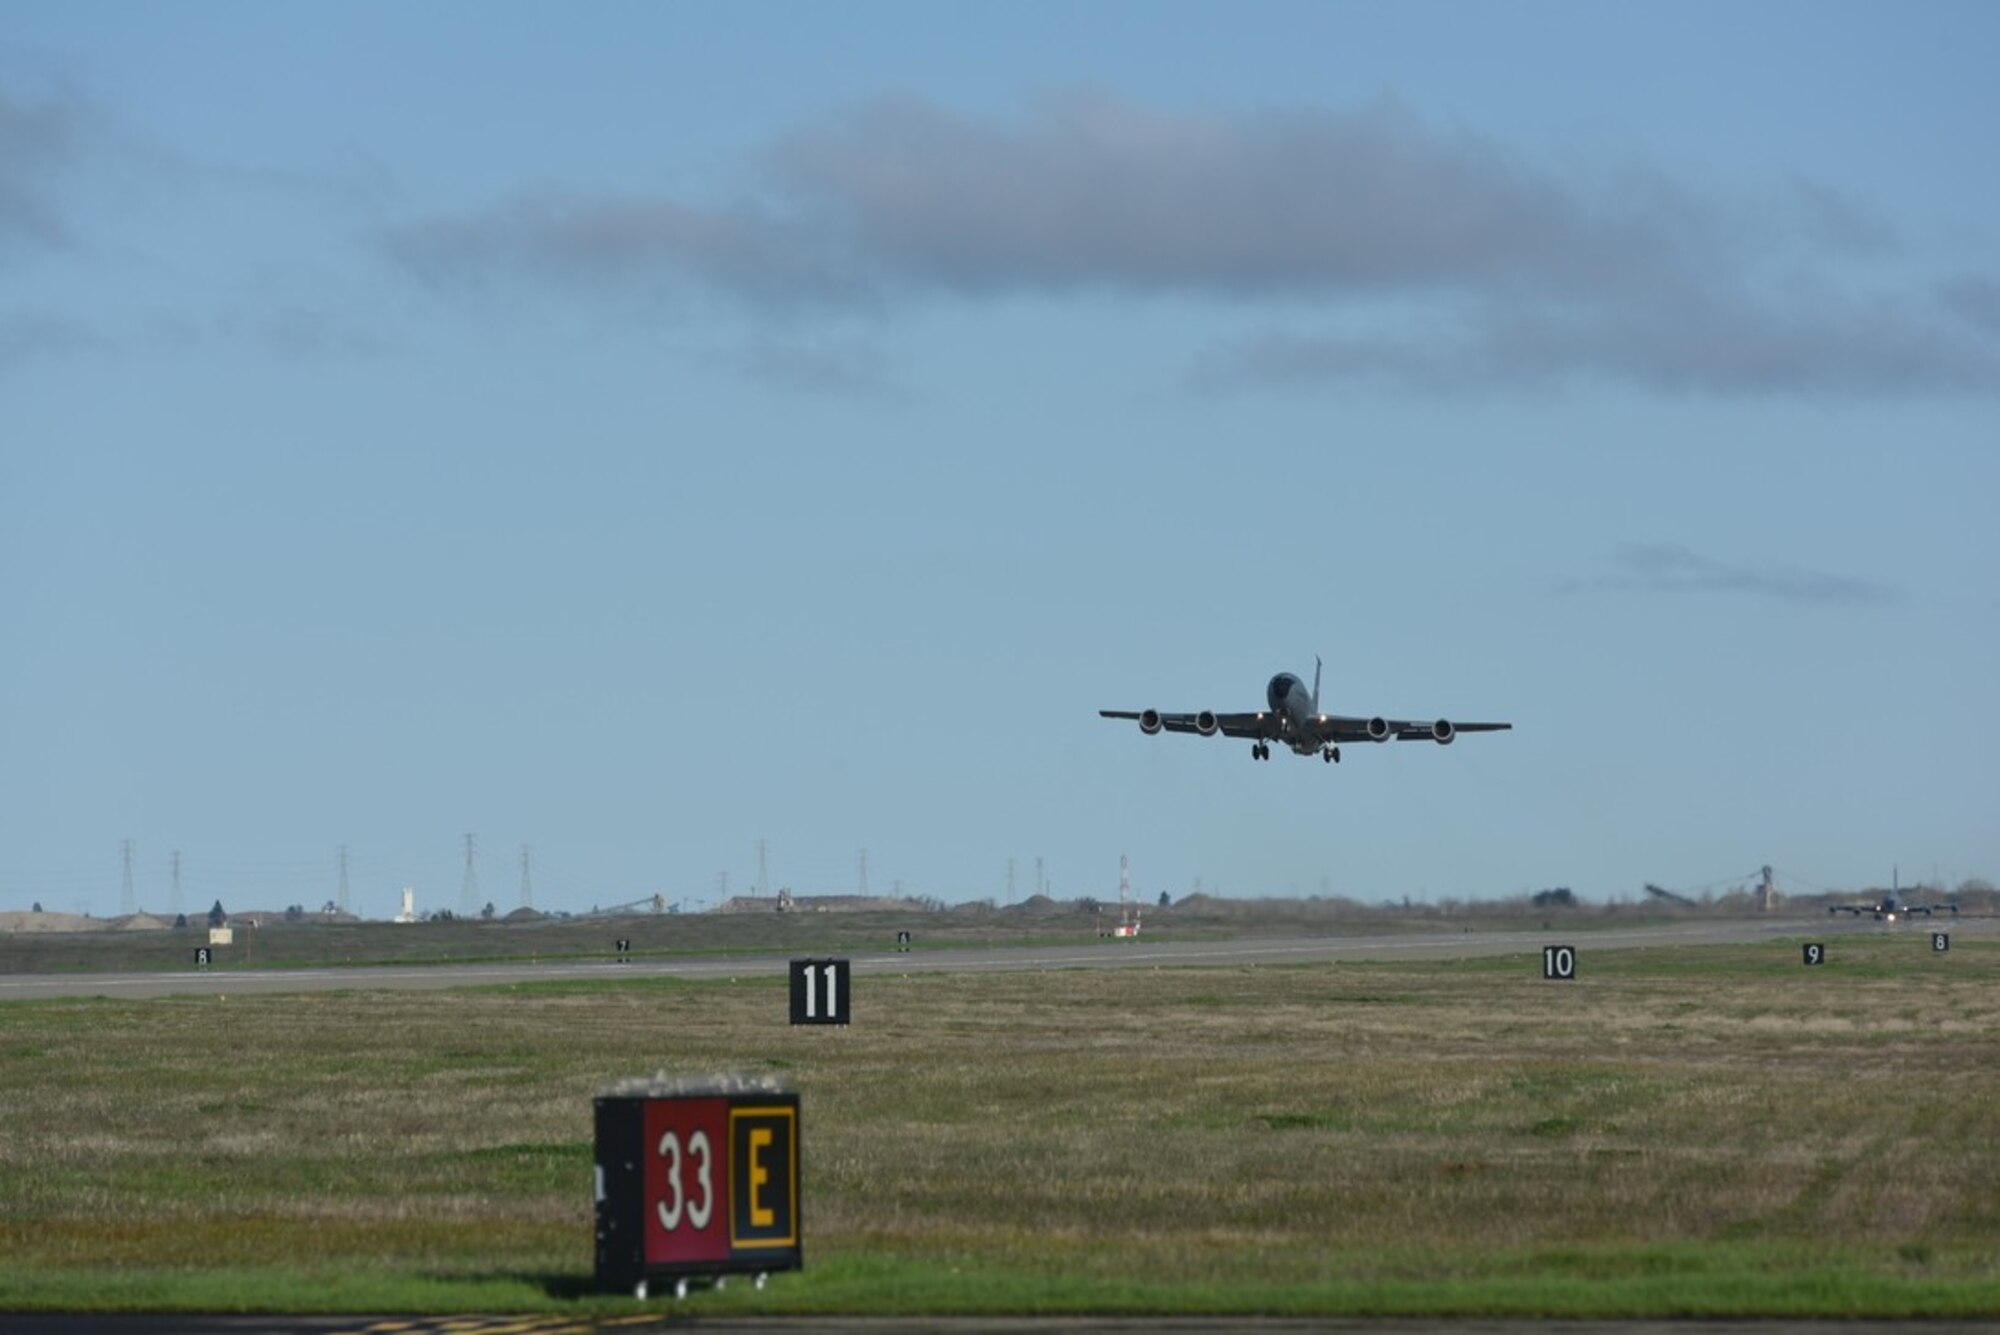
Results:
[1275, 693]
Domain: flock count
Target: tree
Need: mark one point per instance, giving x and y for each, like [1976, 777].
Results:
[487, 912]
[180, 922]
[1166, 900]
[38, 906]
[216, 915]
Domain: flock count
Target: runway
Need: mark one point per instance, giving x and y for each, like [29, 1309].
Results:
[1096, 954]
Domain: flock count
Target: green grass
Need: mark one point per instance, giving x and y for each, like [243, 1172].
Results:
[1685, 1132]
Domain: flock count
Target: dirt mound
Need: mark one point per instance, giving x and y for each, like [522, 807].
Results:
[50, 922]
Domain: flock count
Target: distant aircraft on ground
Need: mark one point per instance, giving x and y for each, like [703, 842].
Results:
[1294, 720]
[1889, 905]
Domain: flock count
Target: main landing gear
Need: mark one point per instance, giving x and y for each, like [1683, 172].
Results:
[1260, 750]
[1330, 754]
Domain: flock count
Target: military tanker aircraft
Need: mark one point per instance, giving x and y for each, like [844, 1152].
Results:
[1293, 719]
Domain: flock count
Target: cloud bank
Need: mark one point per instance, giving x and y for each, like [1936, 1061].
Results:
[1668, 568]
[1372, 243]
[39, 138]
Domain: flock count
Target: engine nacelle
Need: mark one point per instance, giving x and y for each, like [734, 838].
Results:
[1378, 730]
[1206, 723]
[1442, 732]
[1149, 721]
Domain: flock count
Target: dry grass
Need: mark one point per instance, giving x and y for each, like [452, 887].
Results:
[1256, 1128]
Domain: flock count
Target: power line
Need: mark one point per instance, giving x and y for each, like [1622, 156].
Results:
[468, 897]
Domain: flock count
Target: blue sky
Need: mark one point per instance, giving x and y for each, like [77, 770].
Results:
[638, 431]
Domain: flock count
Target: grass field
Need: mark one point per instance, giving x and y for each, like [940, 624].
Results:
[1695, 1131]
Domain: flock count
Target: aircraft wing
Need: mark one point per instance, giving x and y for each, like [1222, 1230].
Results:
[1338, 729]
[1264, 725]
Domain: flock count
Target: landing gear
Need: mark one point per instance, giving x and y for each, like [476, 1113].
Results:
[1260, 751]
[1330, 754]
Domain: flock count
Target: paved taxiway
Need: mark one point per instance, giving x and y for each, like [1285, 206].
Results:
[1098, 954]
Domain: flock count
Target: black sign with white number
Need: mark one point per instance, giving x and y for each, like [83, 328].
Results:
[203, 957]
[903, 942]
[1559, 963]
[624, 947]
[820, 991]
[1815, 953]
[1940, 941]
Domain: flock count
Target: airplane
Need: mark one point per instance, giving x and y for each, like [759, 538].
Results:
[1886, 908]
[1294, 719]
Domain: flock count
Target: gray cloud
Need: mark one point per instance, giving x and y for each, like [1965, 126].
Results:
[1816, 342]
[642, 246]
[39, 138]
[1508, 271]
[835, 368]
[32, 337]
[1668, 568]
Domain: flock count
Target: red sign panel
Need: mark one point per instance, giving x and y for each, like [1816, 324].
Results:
[687, 1180]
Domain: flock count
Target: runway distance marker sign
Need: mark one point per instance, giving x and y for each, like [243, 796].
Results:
[1559, 963]
[822, 991]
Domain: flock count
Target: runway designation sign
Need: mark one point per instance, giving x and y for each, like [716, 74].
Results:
[694, 1185]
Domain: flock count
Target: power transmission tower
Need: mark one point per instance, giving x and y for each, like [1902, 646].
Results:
[342, 900]
[1041, 881]
[864, 871]
[125, 900]
[721, 888]
[177, 883]
[527, 881]
[763, 885]
[468, 897]
[1010, 880]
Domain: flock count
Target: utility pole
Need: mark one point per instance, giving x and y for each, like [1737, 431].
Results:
[177, 882]
[125, 900]
[864, 871]
[763, 883]
[1010, 880]
[341, 902]
[468, 895]
[527, 881]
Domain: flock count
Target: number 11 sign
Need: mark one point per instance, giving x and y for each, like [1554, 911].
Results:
[820, 991]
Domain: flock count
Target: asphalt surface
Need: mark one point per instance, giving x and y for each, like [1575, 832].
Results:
[1102, 954]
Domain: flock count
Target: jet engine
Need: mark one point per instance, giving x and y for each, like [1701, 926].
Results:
[1442, 732]
[1378, 730]
[1206, 723]
[1149, 721]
